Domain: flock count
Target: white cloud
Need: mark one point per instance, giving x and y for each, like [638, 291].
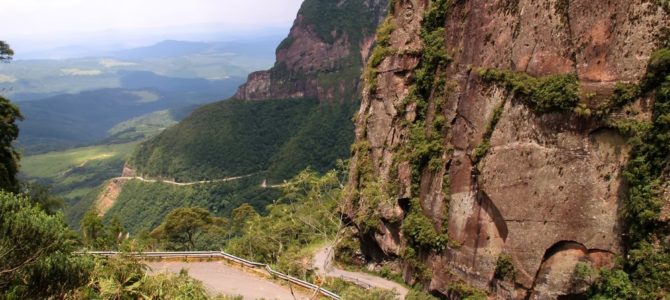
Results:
[111, 63]
[80, 72]
[7, 79]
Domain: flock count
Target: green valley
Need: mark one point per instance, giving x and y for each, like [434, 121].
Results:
[77, 174]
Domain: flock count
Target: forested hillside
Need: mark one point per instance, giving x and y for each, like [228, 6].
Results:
[223, 139]
[297, 114]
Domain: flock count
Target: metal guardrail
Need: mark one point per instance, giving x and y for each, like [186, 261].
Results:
[229, 257]
[356, 281]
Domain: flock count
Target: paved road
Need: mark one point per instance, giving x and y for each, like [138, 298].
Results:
[220, 278]
[323, 262]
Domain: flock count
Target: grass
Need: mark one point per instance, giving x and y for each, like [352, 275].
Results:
[54, 165]
[148, 125]
[76, 174]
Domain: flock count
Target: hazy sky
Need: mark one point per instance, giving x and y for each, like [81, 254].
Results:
[56, 16]
[24, 20]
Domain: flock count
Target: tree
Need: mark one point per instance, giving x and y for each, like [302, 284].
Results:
[41, 195]
[35, 251]
[6, 52]
[188, 228]
[9, 131]
[307, 213]
[240, 216]
[93, 229]
[115, 231]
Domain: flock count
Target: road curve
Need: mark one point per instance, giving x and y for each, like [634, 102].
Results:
[323, 263]
[220, 278]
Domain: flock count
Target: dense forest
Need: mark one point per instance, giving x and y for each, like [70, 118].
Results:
[238, 137]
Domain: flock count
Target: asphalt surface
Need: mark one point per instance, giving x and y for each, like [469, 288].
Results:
[323, 262]
[220, 278]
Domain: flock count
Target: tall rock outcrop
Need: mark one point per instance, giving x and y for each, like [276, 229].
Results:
[490, 133]
[323, 54]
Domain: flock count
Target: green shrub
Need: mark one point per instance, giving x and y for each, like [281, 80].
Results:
[505, 267]
[483, 148]
[338, 285]
[419, 295]
[371, 294]
[466, 292]
[305, 214]
[612, 284]
[657, 70]
[420, 231]
[425, 149]
[582, 110]
[649, 269]
[545, 94]
[286, 43]
[353, 19]
[480, 151]
[383, 43]
[624, 94]
[37, 258]
[556, 92]
[648, 261]
[379, 54]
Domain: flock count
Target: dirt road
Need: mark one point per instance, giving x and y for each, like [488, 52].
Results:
[220, 278]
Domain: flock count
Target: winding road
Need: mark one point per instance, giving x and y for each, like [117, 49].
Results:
[235, 276]
[111, 192]
[323, 262]
[182, 183]
[220, 278]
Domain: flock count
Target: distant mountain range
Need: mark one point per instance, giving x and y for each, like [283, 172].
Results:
[25, 80]
[68, 120]
[171, 48]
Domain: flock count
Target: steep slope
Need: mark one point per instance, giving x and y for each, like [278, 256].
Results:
[223, 139]
[492, 140]
[293, 116]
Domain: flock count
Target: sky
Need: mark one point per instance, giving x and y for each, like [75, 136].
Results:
[32, 24]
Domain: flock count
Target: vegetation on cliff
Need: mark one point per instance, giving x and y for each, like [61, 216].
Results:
[332, 20]
[648, 258]
[545, 94]
[426, 140]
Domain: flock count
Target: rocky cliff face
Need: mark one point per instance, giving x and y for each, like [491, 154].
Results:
[323, 53]
[476, 172]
